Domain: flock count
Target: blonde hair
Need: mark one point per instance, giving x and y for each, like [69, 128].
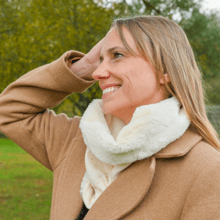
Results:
[164, 43]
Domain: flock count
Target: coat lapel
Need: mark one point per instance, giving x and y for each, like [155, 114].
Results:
[128, 190]
[68, 200]
[181, 146]
[125, 193]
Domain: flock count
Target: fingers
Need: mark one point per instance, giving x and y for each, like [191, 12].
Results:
[87, 64]
[96, 50]
[93, 56]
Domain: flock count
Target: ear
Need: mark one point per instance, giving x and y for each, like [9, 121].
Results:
[164, 79]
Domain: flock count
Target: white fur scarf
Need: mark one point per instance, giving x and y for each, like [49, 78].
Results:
[112, 145]
[151, 129]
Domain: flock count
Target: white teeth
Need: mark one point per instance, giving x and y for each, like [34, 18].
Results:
[110, 89]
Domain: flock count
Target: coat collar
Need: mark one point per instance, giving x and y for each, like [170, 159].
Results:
[181, 146]
[119, 198]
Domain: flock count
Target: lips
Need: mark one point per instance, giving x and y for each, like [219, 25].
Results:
[109, 89]
[110, 85]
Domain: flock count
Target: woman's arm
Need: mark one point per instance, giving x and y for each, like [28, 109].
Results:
[24, 114]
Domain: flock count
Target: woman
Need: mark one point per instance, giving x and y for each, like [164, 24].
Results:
[145, 151]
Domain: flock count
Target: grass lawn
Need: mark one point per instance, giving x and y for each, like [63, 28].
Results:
[25, 185]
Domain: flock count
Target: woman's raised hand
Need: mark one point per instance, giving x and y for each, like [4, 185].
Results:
[88, 64]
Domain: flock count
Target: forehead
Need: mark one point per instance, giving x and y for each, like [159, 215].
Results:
[112, 39]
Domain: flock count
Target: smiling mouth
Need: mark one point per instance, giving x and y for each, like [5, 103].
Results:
[110, 89]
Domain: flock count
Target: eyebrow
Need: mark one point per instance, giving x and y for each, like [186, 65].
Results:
[112, 49]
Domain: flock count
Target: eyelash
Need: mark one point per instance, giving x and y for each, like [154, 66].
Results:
[116, 54]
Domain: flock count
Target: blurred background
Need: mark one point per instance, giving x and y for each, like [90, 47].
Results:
[36, 32]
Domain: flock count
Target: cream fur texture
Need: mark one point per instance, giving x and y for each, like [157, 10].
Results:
[151, 129]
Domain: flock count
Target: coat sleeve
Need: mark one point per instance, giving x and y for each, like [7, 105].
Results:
[26, 119]
[203, 201]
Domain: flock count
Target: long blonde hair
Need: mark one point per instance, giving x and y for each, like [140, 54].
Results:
[164, 43]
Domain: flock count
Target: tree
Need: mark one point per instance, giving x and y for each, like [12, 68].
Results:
[203, 32]
[33, 33]
[42, 30]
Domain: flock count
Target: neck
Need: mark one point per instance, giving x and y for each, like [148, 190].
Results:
[125, 114]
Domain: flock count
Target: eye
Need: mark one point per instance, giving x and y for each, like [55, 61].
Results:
[118, 55]
[100, 59]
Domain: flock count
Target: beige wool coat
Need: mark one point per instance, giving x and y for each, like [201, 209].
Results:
[181, 182]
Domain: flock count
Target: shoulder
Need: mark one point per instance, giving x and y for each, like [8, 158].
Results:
[190, 146]
[202, 200]
[204, 155]
[189, 156]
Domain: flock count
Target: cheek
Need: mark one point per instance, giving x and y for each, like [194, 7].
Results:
[135, 92]
[143, 87]
[129, 81]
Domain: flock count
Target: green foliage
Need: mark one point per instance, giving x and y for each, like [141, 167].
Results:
[37, 32]
[170, 8]
[213, 91]
[33, 33]
[203, 32]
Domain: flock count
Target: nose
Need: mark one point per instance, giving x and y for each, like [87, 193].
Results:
[101, 72]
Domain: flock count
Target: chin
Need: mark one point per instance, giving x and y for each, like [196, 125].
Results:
[106, 111]
[109, 108]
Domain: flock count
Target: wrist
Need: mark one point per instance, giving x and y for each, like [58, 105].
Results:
[80, 67]
[75, 59]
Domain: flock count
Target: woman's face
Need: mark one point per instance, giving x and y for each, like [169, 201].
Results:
[127, 81]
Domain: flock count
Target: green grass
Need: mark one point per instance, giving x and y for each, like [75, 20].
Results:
[25, 185]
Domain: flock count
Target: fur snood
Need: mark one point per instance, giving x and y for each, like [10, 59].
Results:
[112, 146]
[151, 129]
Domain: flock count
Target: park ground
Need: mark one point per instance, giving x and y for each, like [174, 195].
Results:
[25, 185]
